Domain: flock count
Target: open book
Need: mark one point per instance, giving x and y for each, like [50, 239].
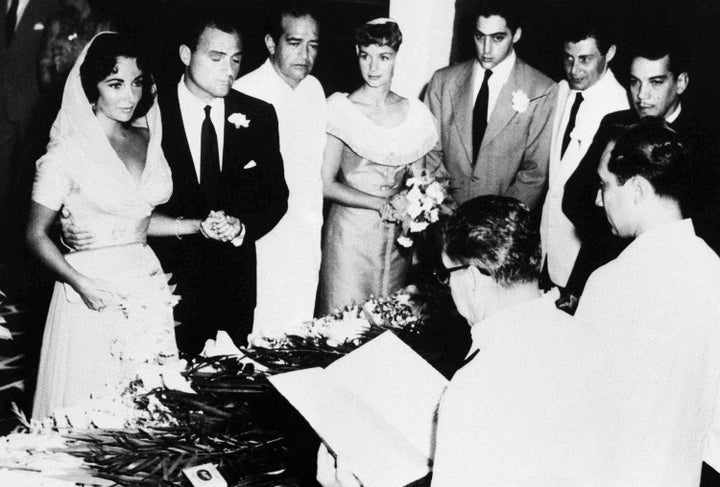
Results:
[375, 408]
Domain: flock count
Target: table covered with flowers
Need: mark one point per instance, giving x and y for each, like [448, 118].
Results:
[219, 409]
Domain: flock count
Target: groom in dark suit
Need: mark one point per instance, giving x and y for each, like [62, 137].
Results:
[223, 149]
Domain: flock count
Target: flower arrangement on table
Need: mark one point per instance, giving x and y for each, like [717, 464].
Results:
[427, 200]
[323, 340]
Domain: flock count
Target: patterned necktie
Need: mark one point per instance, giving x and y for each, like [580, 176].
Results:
[209, 162]
[571, 122]
[480, 114]
[10, 21]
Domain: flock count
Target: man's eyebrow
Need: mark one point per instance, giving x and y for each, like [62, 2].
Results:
[501, 33]
[217, 53]
[659, 77]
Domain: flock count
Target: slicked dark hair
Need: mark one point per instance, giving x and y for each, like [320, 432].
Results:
[653, 150]
[590, 24]
[496, 233]
[213, 19]
[657, 45]
[288, 8]
[101, 61]
[507, 9]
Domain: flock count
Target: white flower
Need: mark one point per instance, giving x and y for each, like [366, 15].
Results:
[239, 120]
[405, 241]
[418, 226]
[436, 192]
[434, 215]
[414, 209]
[520, 101]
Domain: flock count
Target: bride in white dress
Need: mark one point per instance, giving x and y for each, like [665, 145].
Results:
[111, 308]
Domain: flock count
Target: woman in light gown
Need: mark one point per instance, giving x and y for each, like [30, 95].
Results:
[376, 139]
[111, 309]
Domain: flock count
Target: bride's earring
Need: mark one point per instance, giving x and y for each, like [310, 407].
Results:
[94, 107]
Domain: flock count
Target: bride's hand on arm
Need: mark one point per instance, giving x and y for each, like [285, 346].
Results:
[74, 236]
[339, 192]
[95, 293]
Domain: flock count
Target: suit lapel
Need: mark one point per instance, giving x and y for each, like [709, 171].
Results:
[230, 133]
[503, 111]
[462, 107]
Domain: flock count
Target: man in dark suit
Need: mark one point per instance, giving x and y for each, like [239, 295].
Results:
[21, 30]
[223, 149]
[494, 114]
[658, 77]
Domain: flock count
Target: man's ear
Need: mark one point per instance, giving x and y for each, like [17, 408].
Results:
[185, 54]
[270, 44]
[642, 188]
[683, 80]
[517, 35]
[610, 54]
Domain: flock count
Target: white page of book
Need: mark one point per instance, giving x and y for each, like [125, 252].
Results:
[374, 407]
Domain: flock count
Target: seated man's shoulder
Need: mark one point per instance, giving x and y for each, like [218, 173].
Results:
[620, 118]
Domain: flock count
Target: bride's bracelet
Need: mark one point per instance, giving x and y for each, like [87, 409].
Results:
[177, 227]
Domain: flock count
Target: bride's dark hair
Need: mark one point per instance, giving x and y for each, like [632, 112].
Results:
[101, 60]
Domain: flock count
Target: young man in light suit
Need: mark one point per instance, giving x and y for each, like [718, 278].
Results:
[589, 92]
[494, 114]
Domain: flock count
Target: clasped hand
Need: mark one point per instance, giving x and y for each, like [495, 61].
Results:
[219, 226]
[392, 211]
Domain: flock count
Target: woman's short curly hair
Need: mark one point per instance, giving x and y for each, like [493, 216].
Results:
[496, 233]
[101, 61]
[381, 34]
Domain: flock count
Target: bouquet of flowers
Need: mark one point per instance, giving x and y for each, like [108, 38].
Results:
[427, 200]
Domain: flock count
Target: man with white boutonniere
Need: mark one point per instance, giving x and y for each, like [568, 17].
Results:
[223, 150]
[494, 114]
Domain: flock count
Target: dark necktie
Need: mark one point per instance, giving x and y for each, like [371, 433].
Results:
[209, 162]
[480, 114]
[571, 122]
[10, 21]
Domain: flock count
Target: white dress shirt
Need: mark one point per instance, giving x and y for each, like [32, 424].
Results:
[560, 243]
[192, 110]
[291, 271]
[515, 415]
[500, 75]
[657, 312]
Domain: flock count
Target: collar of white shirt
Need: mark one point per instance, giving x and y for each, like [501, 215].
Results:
[500, 75]
[192, 110]
[674, 115]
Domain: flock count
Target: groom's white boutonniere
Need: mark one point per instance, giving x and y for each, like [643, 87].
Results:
[239, 120]
[520, 101]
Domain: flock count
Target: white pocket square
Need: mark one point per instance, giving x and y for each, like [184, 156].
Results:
[250, 165]
[38, 26]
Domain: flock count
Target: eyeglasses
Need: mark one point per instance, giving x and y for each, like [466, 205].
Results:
[442, 274]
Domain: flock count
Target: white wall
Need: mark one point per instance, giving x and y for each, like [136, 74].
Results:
[427, 27]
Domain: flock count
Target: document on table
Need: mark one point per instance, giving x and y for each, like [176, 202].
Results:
[375, 408]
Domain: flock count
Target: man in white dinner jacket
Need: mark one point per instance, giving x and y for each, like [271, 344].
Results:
[288, 258]
[589, 92]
